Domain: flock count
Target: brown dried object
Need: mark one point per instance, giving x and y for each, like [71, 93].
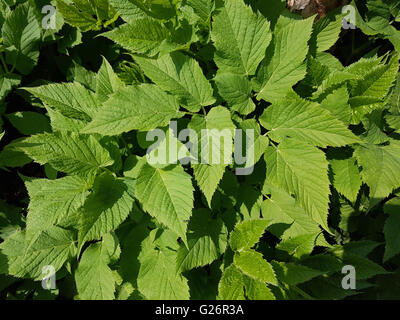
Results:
[308, 8]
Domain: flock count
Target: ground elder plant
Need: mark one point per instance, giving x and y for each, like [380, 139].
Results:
[199, 149]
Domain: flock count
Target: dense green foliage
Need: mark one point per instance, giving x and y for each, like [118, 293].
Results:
[78, 194]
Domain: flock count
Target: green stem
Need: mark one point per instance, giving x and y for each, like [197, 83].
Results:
[4, 63]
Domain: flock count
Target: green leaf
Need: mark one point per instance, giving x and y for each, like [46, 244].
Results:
[363, 66]
[271, 9]
[346, 180]
[94, 279]
[59, 122]
[4, 11]
[287, 219]
[12, 157]
[7, 82]
[377, 82]
[83, 76]
[332, 83]
[203, 8]
[317, 72]
[284, 64]
[103, 10]
[181, 76]
[300, 246]
[365, 268]
[361, 109]
[52, 248]
[54, 202]
[231, 286]
[380, 165]
[21, 35]
[259, 145]
[107, 82]
[70, 99]
[393, 99]
[72, 38]
[209, 172]
[236, 90]
[207, 240]
[374, 126]
[167, 195]
[132, 10]
[240, 37]
[67, 152]
[327, 59]
[235, 285]
[249, 202]
[330, 288]
[143, 36]
[252, 264]
[293, 274]
[157, 278]
[302, 170]
[326, 32]
[304, 120]
[208, 178]
[257, 290]
[129, 10]
[76, 17]
[362, 248]
[247, 234]
[29, 123]
[132, 108]
[167, 150]
[132, 247]
[323, 262]
[11, 221]
[377, 21]
[337, 104]
[392, 225]
[355, 253]
[298, 232]
[87, 14]
[106, 207]
[394, 122]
